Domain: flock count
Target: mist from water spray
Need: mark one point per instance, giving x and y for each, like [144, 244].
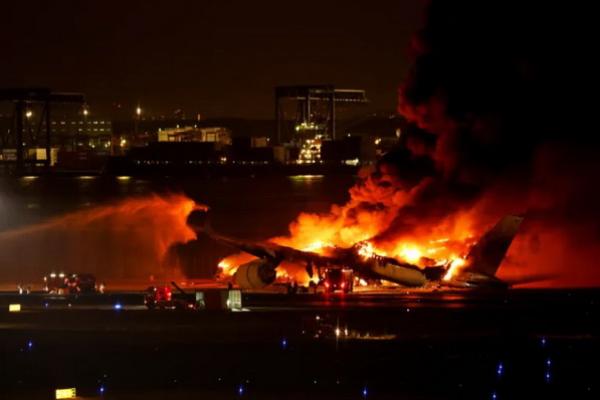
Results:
[124, 240]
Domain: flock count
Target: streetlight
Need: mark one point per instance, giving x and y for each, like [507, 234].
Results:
[86, 127]
[138, 113]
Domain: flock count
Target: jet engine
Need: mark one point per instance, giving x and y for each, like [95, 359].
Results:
[255, 274]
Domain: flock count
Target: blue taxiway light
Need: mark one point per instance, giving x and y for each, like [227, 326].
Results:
[500, 369]
[118, 306]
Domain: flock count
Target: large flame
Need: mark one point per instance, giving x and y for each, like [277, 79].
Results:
[499, 130]
[359, 224]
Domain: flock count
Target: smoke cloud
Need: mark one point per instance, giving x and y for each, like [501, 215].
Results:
[495, 93]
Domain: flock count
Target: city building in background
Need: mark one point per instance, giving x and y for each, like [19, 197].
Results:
[26, 134]
[315, 127]
[213, 134]
[313, 111]
[82, 132]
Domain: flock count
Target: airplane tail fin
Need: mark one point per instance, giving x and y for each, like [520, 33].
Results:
[487, 254]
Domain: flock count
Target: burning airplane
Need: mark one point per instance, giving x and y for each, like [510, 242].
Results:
[476, 270]
[496, 129]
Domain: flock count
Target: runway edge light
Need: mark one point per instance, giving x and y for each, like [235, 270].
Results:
[69, 393]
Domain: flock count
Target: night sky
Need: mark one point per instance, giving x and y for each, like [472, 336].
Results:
[218, 58]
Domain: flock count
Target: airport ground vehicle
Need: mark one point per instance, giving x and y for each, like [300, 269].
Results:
[82, 283]
[338, 279]
[162, 297]
[63, 283]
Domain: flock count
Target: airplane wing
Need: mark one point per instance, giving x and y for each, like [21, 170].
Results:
[267, 250]
[276, 252]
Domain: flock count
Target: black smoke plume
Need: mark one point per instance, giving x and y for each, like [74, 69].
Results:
[502, 86]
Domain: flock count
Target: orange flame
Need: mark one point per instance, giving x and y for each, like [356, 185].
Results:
[365, 250]
[455, 266]
[442, 242]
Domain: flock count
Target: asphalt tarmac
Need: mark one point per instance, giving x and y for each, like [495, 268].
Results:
[379, 345]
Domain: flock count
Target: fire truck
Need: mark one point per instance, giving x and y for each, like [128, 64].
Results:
[61, 283]
[162, 297]
[338, 280]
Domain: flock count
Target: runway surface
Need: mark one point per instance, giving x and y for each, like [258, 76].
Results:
[385, 345]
